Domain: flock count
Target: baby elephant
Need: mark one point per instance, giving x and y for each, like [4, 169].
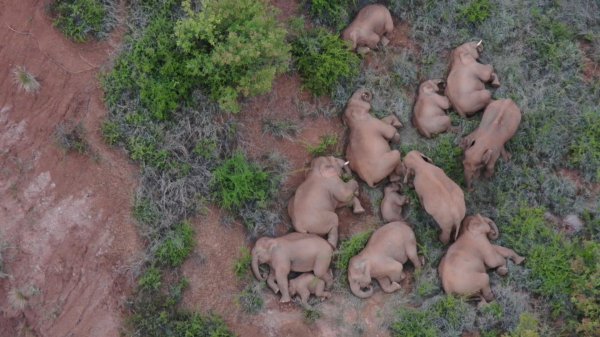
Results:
[368, 148]
[391, 205]
[463, 269]
[442, 198]
[383, 258]
[369, 27]
[484, 146]
[292, 252]
[312, 208]
[466, 80]
[307, 284]
[429, 115]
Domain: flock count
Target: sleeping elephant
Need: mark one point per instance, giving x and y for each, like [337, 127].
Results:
[387, 250]
[441, 197]
[369, 27]
[463, 269]
[485, 145]
[297, 252]
[368, 147]
[392, 203]
[312, 208]
[467, 78]
[429, 114]
[307, 284]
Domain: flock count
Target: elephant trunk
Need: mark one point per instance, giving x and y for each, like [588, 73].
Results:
[255, 269]
[494, 233]
[358, 292]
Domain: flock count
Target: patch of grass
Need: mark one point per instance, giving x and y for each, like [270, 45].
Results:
[323, 60]
[25, 80]
[71, 137]
[241, 267]
[176, 247]
[310, 315]
[206, 148]
[237, 182]
[234, 47]
[327, 146]
[333, 13]
[413, 323]
[19, 297]
[79, 19]
[528, 326]
[111, 132]
[476, 11]
[349, 248]
[151, 280]
[250, 298]
[3, 247]
[280, 128]
[147, 152]
[585, 151]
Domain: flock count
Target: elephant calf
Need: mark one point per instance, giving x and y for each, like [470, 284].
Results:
[312, 208]
[441, 197]
[387, 250]
[391, 205]
[369, 27]
[466, 80]
[463, 269]
[297, 252]
[368, 148]
[307, 284]
[429, 115]
[484, 146]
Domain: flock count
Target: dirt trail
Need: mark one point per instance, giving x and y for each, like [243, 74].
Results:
[65, 217]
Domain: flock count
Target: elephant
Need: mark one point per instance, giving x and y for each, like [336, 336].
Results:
[387, 250]
[485, 145]
[298, 252]
[441, 197]
[307, 284]
[368, 147]
[466, 81]
[463, 269]
[370, 26]
[391, 205]
[429, 116]
[312, 208]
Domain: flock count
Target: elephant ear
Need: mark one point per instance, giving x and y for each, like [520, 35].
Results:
[487, 156]
[465, 57]
[328, 170]
[466, 143]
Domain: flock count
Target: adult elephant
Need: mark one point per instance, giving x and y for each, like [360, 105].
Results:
[463, 269]
[312, 208]
[368, 150]
[387, 250]
[465, 86]
[370, 26]
[297, 252]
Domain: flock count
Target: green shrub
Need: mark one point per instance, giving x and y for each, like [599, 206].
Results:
[176, 247]
[585, 152]
[323, 60]
[79, 19]
[586, 288]
[241, 267]
[237, 182]
[151, 280]
[110, 132]
[413, 323]
[334, 13]
[310, 315]
[476, 11]
[235, 47]
[349, 248]
[147, 152]
[528, 326]
[326, 146]
[250, 298]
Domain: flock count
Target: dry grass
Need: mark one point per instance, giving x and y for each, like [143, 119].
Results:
[25, 80]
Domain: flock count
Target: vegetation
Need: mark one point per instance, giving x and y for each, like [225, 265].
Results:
[71, 137]
[233, 48]
[326, 147]
[177, 245]
[25, 80]
[349, 248]
[323, 60]
[333, 13]
[280, 128]
[80, 19]
[241, 268]
[311, 315]
[476, 11]
[250, 298]
[585, 151]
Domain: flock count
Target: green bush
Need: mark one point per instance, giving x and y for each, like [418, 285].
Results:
[147, 152]
[235, 47]
[326, 146]
[323, 60]
[528, 326]
[111, 133]
[334, 13]
[241, 267]
[79, 19]
[151, 280]
[250, 299]
[413, 323]
[237, 182]
[176, 247]
[476, 11]
[349, 248]
[585, 152]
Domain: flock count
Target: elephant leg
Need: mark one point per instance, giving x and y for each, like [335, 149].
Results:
[320, 291]
[322, 271]
[509, 253]
[495, 81]
[363, 50]
[445, 236]
[281, 277]
[387, 285]
[411, 251]
[489, 167]
[330, 220]
[390, 164]
[372, 39]
[394, 270]
[505, 154]
[356, 206]
[271, 282]
[304, 295]
[392, 120]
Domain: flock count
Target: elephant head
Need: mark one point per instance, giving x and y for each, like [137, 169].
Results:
[329, 167]
[480, 225]
[475, 159]
[468, 51]
[429, 87]
[411, 161]
[359, 277]
[261, 253]
[358, 106]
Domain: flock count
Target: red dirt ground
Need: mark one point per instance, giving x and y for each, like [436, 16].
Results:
[65, 217]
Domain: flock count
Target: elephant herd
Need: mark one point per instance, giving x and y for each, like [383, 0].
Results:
[463, 269]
